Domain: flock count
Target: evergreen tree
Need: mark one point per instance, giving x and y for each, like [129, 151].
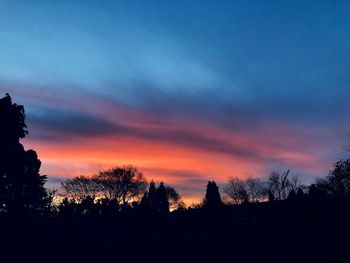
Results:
[156, 199]
[212, 196]
[152, 195]
[21, 186]
[162, 199]
[149, 200]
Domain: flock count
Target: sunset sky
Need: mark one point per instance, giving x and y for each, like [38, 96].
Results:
[185, 90]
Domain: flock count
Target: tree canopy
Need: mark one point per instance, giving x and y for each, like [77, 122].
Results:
[122, 184]
[336, 184]
[212, 196]
[21, 185]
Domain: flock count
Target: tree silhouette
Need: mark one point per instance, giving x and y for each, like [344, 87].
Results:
[152, 196]
[123, 184]
[161, 199]
[174, 199]
[270, 196]
[247, 190]
[81, 187]
[12, 117]
[336, 184]
[279, 185]
[212, 196]
[292, 195]
[236, 190]
[21, 186]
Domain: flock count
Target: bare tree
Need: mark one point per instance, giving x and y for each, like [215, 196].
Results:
[295, 183]
[81, 187]
[236, 190]
[249, 189]
[255, 188]
[279, 184]
[123, 184]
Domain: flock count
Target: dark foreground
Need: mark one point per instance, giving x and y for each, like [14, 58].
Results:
[269, 232]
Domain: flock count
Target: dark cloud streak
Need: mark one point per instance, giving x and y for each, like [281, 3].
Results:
[69, 126]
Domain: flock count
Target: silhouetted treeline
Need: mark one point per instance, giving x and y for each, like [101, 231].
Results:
[118, 210]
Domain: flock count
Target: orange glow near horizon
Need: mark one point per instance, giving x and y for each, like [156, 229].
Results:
[175, 164]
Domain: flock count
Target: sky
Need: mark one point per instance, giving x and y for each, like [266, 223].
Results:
[187, 91]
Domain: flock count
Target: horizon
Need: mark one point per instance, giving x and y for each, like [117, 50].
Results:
[187, 91]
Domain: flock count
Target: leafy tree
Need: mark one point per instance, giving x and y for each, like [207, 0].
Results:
[336, 184]
[12, 117]
[21, 186]
[212, 196]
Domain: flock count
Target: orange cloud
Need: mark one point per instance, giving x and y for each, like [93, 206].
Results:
[187, 166]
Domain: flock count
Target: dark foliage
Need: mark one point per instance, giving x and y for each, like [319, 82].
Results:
[336, 184]
[22, 189]
[212, 198]
[160, 199]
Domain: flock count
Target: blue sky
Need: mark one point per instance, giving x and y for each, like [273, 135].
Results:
[267, 69]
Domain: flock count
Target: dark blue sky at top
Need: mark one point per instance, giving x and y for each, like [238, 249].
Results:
[291, 53]
[237, 64]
